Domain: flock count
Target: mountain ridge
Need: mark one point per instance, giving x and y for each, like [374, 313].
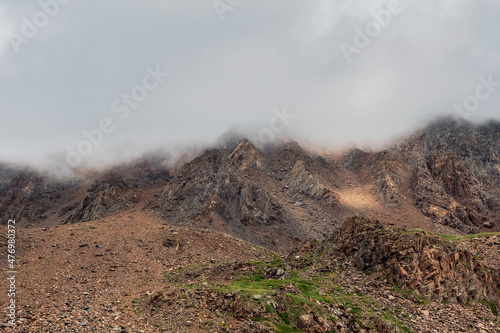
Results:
[445, 177]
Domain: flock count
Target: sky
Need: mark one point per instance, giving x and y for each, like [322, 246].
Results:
[87, 81]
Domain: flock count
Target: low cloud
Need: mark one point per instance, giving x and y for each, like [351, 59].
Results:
[264, 55]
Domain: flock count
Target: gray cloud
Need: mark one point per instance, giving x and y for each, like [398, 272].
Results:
[264, 55]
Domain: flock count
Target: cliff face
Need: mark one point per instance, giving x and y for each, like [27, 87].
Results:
[28, 196]
[103, 199]
[456, 178]
[245, 193]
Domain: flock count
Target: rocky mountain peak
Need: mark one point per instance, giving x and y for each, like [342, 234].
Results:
[246, 155]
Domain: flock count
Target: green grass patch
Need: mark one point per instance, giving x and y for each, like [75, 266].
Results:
[474, 236]
[389, 317]
[491, 305]
[281, 328]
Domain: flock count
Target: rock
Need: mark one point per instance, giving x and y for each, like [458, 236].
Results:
[425, 314]
[462, 298]
[488, 225]
[280, 272]
[257, 297]
[304, 322]
[427, 264]
[189, 323]
[84, 323]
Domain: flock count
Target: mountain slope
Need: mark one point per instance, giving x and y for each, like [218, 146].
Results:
[243, 193]
[456, 172]
[444, 178]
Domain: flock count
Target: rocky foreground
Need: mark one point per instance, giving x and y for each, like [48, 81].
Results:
[133, 273]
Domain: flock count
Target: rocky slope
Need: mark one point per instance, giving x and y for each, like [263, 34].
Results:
[29, 196]
[444, 178]
[136, 274]
[427, 264]
[456, 178]
[334, 285]
[250, 194]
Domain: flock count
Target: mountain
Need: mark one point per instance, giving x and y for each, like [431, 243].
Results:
[456, 177]
[443, 178]
[268, 197]
[271, 238]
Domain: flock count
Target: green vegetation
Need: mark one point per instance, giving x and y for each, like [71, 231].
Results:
[301, 292]
[389, 317]
[447, 237]
[491, 305]
[474, 236]
[285, 328]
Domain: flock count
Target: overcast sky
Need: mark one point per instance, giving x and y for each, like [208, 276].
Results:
[238, 62]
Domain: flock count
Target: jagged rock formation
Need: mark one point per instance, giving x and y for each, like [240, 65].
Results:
[310, 185]
[28, 196]
[456, 172]
[446, 176]
[104, 198]
[427, 264]
[241, 193]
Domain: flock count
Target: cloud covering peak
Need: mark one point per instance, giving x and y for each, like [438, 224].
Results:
[235, 62]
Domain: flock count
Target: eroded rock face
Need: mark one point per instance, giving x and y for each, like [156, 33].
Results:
[103, 199]
[250, 194]
[310, 185]
[280, 194]
[447, 192]
[27, 196]
[432, 267]
[456, 177]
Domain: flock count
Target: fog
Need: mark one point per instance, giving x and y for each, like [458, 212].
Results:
[87, 82]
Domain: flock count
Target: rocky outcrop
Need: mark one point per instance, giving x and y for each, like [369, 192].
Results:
[28, 196]
[456, 177]
[390, 177]
[301, 180]
[445, 191]
[415, 260]
[103, 199]
[247, 193]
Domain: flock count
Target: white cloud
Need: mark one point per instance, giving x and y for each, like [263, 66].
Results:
[4, 31]
[324, 17]
[265, 55]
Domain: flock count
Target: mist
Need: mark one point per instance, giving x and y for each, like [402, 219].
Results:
[90, 83]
